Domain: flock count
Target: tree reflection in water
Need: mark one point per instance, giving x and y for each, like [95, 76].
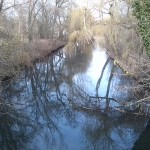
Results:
[16, 128]
[49, 95]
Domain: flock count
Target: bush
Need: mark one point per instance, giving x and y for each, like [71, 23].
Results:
[12, 57]
[141, 9]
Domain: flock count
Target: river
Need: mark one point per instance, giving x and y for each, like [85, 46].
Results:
[69, 103]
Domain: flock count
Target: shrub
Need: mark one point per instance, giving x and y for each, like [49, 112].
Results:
[12, 56]
[141, 9]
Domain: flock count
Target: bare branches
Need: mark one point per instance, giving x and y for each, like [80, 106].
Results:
[59, 3]
[15, 5]
[1, 5]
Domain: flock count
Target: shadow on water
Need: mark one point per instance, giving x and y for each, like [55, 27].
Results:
[143, 143]
[68, 103]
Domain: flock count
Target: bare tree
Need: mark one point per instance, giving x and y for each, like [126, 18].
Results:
[1, 5]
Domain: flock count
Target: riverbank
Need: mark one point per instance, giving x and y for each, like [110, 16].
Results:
[16, 55]
[39, 49]
[59, 92]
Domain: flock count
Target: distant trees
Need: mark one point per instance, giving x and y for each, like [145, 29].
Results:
[32, 13]
[48, 17]
[80, 24]
[37, 18]
[52, 19]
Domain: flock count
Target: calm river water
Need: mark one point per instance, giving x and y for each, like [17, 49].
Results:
[69, 103]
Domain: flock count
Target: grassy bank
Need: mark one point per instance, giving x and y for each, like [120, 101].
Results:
[15, 54]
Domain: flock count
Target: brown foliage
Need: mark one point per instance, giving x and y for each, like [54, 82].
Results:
[126, 47]
[14, 54]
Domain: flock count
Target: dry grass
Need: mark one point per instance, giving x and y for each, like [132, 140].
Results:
[41, 48]
[14, 55]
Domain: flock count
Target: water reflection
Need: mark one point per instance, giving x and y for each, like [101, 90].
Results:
[16, 128]
[102, 131]
[68, 103]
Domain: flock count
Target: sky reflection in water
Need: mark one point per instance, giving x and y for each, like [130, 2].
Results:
[54, 106]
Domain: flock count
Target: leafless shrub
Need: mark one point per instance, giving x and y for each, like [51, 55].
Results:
[126, 47]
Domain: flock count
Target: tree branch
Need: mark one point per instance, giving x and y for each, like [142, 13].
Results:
[1, 5]
[15, 5]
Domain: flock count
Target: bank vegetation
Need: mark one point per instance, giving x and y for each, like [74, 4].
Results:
[30, 30]
[122, 27]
